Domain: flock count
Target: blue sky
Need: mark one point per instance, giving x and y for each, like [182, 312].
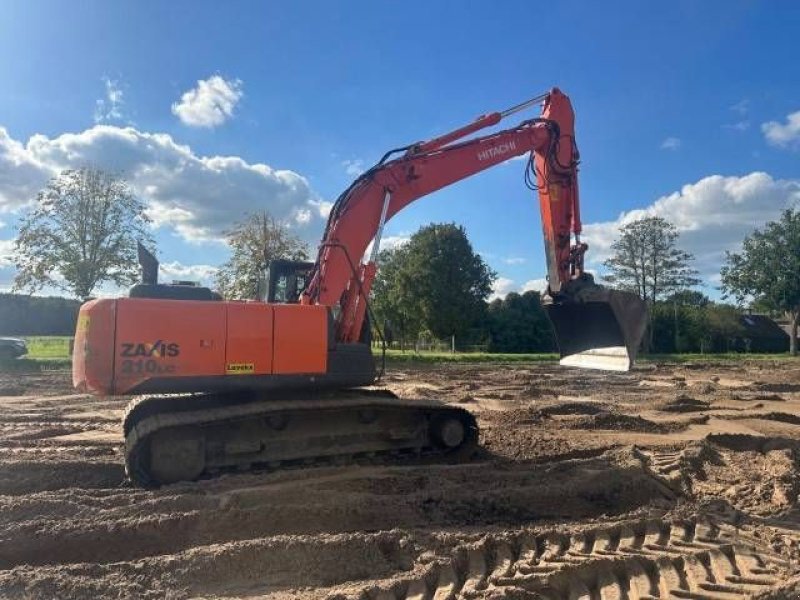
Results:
[687, 110]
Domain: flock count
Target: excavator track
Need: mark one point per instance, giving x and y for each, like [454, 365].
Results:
[184, 437]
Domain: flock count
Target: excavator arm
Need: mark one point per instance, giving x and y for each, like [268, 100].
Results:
[339, 279]
[360, 213]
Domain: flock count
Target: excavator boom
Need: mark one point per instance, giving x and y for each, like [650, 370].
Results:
[594, 327]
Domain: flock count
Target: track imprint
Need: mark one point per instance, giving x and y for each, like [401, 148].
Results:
[635, 560]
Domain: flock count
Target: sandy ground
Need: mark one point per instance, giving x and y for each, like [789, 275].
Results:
[673, 481]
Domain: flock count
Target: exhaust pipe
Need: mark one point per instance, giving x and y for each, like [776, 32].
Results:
[595, 327]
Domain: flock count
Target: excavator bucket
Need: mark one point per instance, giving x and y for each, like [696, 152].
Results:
[598, 328]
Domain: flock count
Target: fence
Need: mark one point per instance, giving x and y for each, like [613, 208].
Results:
[426, 344]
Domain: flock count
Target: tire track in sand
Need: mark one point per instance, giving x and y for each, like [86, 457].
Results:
[636, 560]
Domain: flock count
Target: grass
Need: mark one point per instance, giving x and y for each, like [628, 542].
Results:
[482, 357]
[463, 357]
[49, 353]
[48, 347]
[690, 357]
[45, 353]
[35, 365]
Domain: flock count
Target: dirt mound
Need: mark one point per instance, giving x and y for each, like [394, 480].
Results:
[614, 421]
[271, 563]
[28, 476]
[751, 443]
[781, 417]
[571, 408]
[683, 404]
[758, 475]
[780, 387]
[580, 415]
[758, 396]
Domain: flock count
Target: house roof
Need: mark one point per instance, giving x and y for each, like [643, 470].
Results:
[760, 326]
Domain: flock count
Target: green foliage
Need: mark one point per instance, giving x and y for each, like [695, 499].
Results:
[435, 282]
[647, 262]
[768, 269]
[518, 323]
[254, 242]
[395, 306]
[710, 327]
[81, 232]
[689, 298]
[21, 314]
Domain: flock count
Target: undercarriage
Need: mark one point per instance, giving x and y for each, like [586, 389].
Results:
[170, 438]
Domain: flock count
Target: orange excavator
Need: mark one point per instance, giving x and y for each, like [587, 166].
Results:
[229, 385]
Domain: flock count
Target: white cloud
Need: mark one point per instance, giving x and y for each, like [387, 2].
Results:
[302, 216]
[209, 104]
[712, 215]
[389, 242]
[109, 107]
[739, 125]
[786, 135]
[501, 287]
[172, 271]
[323, 207]
[515, 260]
[198, 197]
[535, 285]
[354, 167]
[671, 143]
[395, 241]
[21, 173]
[741, 107]
[6, 248]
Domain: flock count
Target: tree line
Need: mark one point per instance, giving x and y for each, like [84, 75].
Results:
[417, 286]
[83, 227]
[36, 315]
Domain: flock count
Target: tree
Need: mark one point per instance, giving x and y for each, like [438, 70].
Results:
[646, 260]
[723, 326]
[81, 232]
[517, 323]
[689, 298]
[686, 304]
[767, 270]
[695, 327]
[394, 307]
[436, 281]
[254, 242]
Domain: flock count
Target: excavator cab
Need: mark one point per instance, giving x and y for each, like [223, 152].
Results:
[286, 279]
[596, 327]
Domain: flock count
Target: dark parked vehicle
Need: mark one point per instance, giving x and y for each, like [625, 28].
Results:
[11, 348]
